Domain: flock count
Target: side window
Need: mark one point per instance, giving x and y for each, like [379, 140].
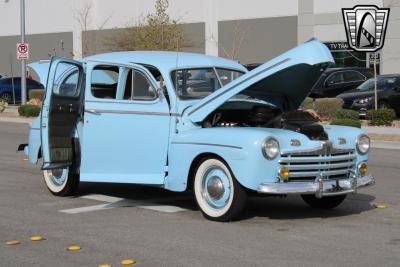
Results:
[352, 76]
[195, 83]
[335, 78]
[104, 82]
[67, 80]
[138, 87]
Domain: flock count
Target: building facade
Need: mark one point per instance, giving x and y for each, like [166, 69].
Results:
[251, 31]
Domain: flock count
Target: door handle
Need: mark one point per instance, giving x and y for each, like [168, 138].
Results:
[93, 111]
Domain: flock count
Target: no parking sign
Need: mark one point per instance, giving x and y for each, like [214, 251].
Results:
[22, 51]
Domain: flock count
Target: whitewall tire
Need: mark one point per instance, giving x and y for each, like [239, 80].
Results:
[61, 182]
[219, 196]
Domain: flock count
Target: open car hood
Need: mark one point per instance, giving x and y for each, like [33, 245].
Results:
[284, 81]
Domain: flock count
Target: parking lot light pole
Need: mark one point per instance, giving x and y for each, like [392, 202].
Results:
[23, 67]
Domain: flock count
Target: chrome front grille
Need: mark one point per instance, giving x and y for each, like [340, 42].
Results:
[330, 163]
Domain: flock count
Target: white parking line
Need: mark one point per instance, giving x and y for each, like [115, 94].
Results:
[116, 202]
[87, 209]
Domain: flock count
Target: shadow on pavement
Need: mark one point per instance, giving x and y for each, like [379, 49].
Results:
[294, 207]
[291, 207]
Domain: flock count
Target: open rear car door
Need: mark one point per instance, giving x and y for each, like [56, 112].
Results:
[61, 109]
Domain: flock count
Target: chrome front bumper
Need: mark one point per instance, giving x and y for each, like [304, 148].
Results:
[319, 187]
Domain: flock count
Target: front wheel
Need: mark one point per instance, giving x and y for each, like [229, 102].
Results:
[324, 202]
[219, 196]
[61, 182]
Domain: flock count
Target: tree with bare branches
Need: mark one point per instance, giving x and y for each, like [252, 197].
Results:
[155, 31]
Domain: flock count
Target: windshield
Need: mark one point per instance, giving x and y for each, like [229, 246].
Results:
[200, 82]
[382, 84]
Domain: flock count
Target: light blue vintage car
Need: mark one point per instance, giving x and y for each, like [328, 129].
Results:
[185, 121]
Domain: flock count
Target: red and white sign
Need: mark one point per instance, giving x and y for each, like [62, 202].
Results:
[22, 51]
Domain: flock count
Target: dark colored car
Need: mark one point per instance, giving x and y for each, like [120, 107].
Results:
[252, 66]
[394, 101]
[6, 88]
[363, 97]
[335, 81]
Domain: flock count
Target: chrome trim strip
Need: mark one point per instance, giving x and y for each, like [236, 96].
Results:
[33, 128]
[319, 166]
[317, 159]
[235, 85]
[127, 101]
[206, 144]
[325, 148]
[316, 173]
[127, 112]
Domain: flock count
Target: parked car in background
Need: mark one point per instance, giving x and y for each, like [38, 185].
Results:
[6, 88]
[252, 66]
[394, 101]
[363, 97]
[335, 81]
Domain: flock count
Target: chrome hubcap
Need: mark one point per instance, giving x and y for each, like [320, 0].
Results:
[216, 188]
[57, 176]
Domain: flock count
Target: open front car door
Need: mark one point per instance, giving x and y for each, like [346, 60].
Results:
[61, 109]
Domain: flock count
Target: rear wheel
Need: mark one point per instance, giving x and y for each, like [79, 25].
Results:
[324, 202]
[219, 196]
[7, 97]
[61, 182]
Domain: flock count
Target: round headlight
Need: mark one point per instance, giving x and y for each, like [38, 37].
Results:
[270, 148]
[363, 144]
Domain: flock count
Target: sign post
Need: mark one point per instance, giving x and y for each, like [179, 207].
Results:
[26, 47]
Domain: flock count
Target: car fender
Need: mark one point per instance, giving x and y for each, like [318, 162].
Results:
[240, 148]
[33, 148]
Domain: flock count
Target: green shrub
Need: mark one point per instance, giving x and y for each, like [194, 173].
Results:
[29, 110]
[3, 105]
[325, 107]
[36, 94]
[347, 122]
[347, 114]
[381, 117]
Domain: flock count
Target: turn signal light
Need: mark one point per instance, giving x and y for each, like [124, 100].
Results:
[284, 173]
[362, 168]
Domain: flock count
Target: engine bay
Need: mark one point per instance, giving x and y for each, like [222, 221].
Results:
[266, 116]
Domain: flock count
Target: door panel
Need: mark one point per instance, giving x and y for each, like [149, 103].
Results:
[125, 140]
[60, 112]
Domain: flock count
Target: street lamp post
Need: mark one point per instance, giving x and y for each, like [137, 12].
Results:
[23, 63]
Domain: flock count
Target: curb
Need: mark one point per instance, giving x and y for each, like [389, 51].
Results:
[16, 120]
[385, 144]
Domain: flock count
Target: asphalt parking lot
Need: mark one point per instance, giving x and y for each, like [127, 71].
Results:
[159, 228]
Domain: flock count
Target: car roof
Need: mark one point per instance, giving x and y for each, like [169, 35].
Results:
[388, 76]
[165, 60]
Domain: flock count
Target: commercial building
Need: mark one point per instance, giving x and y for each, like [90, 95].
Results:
[251, 31]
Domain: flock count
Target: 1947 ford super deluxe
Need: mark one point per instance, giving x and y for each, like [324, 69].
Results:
[186, 121]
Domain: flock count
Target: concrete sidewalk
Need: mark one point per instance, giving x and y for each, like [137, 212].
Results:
[381, 130]
[10, 114]
[16, 119]
[385, 144]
